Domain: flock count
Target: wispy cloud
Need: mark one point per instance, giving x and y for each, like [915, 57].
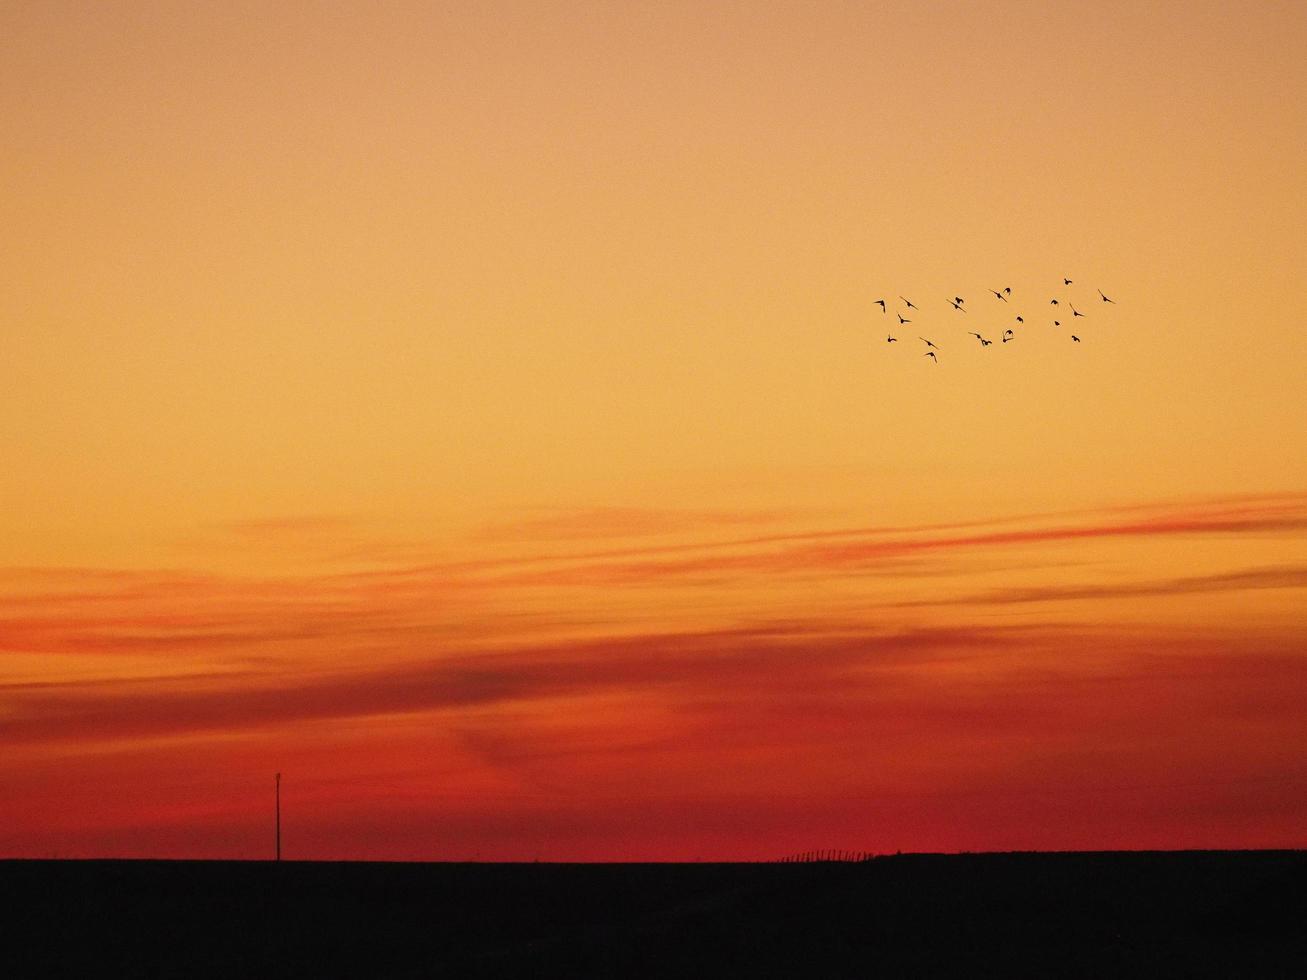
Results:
[690, 689]
[738, 659]
[173, 612]
[962, 735]
[862, 549]
[1282, 577]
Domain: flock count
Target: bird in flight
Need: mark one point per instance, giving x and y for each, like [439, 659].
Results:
[1007, 335]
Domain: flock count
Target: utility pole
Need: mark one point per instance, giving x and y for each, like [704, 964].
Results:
[278, 816]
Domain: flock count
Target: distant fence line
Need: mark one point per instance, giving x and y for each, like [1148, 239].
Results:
[813, 857]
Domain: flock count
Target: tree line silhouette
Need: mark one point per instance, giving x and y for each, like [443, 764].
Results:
[812, 857]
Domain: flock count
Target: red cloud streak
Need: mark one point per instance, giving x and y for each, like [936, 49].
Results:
[450, 711]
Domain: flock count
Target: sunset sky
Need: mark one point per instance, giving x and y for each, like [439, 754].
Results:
[479, 413]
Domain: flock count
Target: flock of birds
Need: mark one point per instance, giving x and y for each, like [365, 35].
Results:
[1008, 335]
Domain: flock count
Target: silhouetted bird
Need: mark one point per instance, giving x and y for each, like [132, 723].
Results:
[892, 340]
[1008, 290]
[882, 305]
[908, 301]
[999, 295]
[1066, 282]
[956, 304]
[1075, 312]
[1007, 335]
[1057, 323]
[929, 343]
[1052, 302]
[1075, 338]
[959, 299]
[1020, 320]
[1105, 299]
[901, 320]
[931, 355]
[986, 343]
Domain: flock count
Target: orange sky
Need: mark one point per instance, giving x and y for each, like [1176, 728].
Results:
[482, 417]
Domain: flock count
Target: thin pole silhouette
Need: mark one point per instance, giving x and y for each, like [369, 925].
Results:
[278, 816]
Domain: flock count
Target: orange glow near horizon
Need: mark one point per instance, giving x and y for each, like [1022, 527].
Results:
[482, 417]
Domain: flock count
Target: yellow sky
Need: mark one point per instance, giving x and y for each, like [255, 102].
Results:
[297, 291]
[409, 263]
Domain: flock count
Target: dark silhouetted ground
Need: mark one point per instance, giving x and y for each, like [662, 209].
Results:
[1219, 914]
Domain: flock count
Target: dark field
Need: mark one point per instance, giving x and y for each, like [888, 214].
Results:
[1237, 914]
